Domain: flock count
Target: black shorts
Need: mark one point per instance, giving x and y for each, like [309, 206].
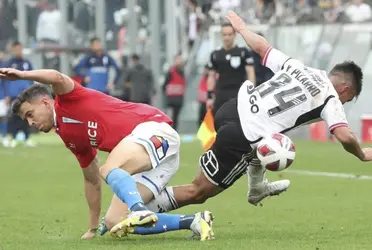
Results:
[223, 97]
[228, 158]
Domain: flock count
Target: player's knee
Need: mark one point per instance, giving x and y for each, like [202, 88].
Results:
[104, 170]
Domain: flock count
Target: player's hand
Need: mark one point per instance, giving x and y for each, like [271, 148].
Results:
[210, 103]
[11, 74]
[89, 235]
[236, 21]
[367, 154]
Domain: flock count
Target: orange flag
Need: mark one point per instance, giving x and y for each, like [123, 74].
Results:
[206, 133]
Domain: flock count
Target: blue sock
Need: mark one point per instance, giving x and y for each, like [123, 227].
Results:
[166, 223]
[124, 186]
[3, 131]
[186, 220]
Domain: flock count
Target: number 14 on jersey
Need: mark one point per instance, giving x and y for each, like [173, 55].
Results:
[276, 85]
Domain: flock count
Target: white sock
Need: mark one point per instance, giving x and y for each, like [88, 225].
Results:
[165, 202]
[256, 173]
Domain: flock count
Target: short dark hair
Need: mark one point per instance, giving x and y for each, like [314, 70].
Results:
[353, 72]
[135, 57]
[227, 25]
[16, 43]
[28, 95]
[94, 39]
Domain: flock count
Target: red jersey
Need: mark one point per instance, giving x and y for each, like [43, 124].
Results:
[87, 120]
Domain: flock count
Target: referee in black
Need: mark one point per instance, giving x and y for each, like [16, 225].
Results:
[232, 65]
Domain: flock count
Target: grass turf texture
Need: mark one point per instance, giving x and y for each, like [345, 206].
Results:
[43, 205]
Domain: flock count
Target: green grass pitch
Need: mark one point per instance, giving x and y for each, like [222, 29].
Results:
[43, 205]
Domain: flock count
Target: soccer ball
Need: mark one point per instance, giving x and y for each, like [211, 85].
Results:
[276, 152]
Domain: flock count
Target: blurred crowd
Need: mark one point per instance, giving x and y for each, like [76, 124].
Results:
[132, 80]
[317, 11]
[44, 17]
[279, 12]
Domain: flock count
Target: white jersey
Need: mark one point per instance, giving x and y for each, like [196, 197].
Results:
[294, 96]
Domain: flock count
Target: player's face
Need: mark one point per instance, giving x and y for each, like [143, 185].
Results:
[17, 50]
[345, 92]
[178, 62]
[96, 46]
[228, 36]
[38, 113]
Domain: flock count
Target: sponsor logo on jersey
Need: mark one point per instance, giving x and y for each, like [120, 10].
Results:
[69, 120]
[92, 133]
[161, 146]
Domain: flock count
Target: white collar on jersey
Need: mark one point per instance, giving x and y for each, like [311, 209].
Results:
[54, 118]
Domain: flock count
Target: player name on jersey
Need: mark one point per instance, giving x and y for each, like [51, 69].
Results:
[309, 84]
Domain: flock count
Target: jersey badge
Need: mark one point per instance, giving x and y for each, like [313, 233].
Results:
[235, 61]
[161, 146]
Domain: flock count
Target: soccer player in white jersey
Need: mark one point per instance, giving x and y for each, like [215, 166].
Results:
[294, 96]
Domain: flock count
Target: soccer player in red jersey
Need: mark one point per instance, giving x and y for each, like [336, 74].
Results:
[139, 138]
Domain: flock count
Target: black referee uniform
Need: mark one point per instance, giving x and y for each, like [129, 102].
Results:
[230, 67]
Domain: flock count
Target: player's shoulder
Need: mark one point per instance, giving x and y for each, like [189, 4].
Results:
[217, 53]
[327, 93]
[75, 94]
[217, 50]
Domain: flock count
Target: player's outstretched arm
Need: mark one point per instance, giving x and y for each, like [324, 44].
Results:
[256, 42]
[93, 194]
[60, 83]
[351, 144]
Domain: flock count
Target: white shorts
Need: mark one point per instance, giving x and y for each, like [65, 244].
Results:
[162, 143]
[3, 108]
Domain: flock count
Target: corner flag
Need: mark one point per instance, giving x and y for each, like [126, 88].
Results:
[206, 133]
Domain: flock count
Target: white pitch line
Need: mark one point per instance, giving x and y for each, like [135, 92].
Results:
[329, 174]
[298, 172]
